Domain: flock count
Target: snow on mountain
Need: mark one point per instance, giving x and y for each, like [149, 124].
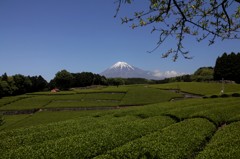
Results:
[124, 70]
[121, 65]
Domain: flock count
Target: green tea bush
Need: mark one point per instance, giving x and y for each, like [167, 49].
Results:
[224, 144]
[179, 140]
[89, 143]
[1, 120]
[12, 99]
[219, 114]
[140, 95]
[35, 135]
[104, 96]
[187, 110]
[28, 103]
[201, 88]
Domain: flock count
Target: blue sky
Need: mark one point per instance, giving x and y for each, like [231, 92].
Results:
[42, 37]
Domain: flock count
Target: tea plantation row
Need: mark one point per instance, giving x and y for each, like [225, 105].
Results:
[193, 128]
[197, 128]
[88, 140]
[135, 95]
[201, 88]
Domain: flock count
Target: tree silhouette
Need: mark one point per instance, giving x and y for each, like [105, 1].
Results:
[227, 67]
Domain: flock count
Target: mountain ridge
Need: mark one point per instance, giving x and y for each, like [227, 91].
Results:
[124, 70]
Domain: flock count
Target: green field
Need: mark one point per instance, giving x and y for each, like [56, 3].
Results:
[201, 88]
[97, 97]
[8, 100]
[191, 128]
[139, 95]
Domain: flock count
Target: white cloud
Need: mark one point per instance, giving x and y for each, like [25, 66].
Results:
[167, 74]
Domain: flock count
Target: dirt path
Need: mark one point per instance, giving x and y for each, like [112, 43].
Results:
[32, 111]
[186, 95]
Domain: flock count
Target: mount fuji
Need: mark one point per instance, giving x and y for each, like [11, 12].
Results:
[124, 70]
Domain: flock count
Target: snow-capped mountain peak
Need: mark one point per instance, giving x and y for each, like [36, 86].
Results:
[122, 65]
[124, 70]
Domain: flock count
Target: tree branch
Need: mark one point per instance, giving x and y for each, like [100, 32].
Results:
[118, 8]
[225, 12]
[169, 6]
[179, 9]
[177, 18]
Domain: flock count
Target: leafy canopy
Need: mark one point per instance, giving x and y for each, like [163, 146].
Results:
[205, 20]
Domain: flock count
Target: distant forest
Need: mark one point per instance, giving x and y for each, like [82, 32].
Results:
[20, 84]
[227, 67]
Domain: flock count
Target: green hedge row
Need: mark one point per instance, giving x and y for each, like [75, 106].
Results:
[91, 143]
[224, 144]
[179, 140]
[34, 135]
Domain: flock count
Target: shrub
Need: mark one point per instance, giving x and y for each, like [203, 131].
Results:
[96, 116]
[142, 116]
[224, 95]
[1, 120]
[236, 95]
[214, 96]
[117, 115]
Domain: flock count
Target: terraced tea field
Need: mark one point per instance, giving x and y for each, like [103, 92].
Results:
[104, 97]
[192, 128]
[201, 88]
